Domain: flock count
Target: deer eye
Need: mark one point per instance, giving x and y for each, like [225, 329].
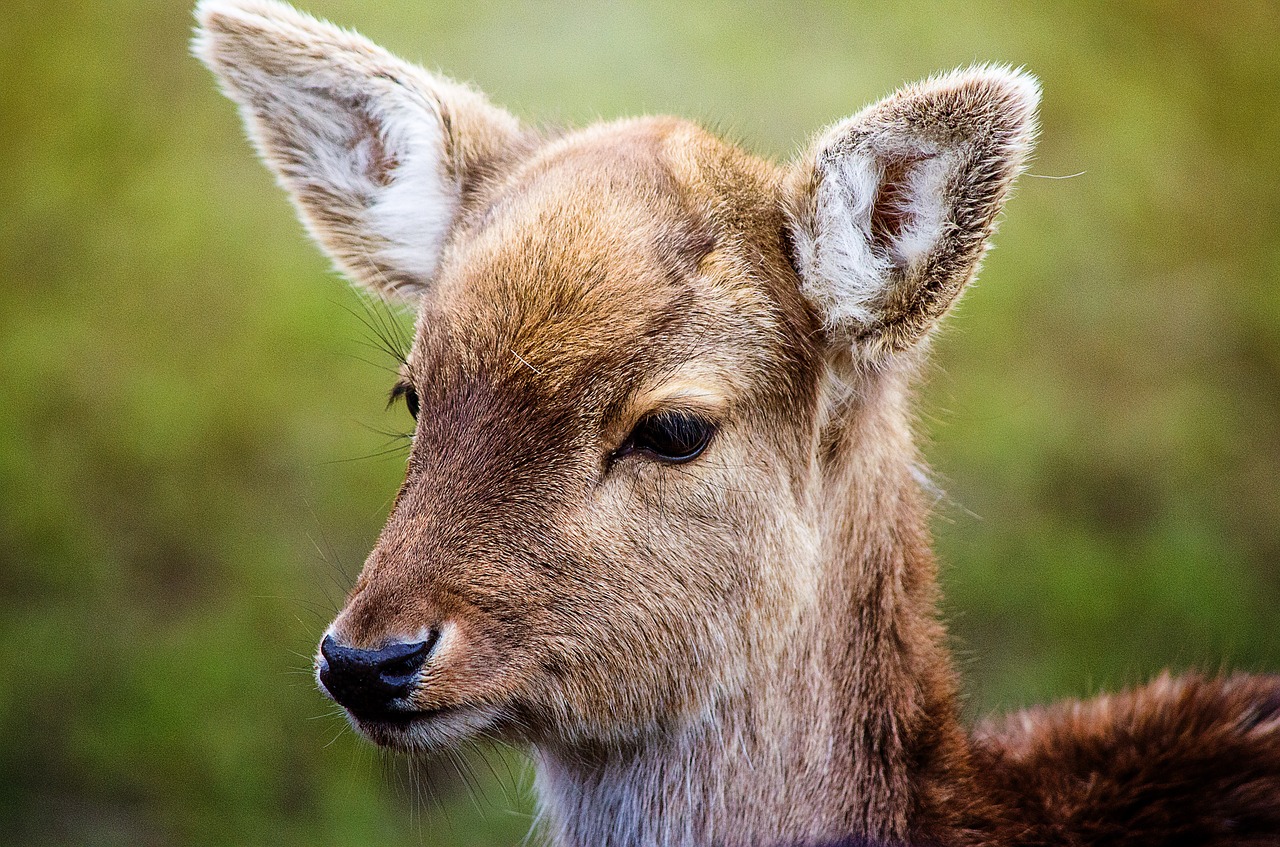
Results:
[406, 390]
[673, 437]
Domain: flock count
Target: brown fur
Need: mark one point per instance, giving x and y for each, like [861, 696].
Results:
[1180, 761]
[744, 649]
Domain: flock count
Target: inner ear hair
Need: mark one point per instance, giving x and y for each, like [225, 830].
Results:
[891, 211]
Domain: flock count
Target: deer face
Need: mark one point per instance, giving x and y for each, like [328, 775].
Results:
[599, 475]
[620, 371]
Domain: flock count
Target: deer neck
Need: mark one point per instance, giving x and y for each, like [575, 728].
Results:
[846, 728]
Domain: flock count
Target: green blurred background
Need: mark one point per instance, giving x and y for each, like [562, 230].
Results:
[188, 395]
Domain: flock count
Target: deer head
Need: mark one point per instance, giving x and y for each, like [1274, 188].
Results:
[654, 377]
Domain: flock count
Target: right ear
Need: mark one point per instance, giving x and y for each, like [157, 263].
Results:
[891, 209]
[377, 154]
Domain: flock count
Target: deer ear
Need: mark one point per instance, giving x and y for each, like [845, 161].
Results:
[378, 155]
[891, 208]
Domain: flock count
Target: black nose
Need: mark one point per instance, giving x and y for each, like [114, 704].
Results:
[369, 682]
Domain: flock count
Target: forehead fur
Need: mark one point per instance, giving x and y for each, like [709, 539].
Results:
[615, 244]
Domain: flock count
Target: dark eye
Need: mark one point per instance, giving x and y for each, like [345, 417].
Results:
[406, 390]
[669, 436]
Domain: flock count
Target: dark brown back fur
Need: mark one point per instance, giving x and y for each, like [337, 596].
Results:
[1182, 761]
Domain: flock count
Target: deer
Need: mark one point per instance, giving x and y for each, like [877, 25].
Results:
[664, 522]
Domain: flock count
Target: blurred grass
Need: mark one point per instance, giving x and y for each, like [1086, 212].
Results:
[181, 378]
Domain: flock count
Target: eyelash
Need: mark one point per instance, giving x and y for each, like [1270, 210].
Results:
[670, 436]
[409, 393]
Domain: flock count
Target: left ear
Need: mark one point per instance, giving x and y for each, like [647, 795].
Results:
[891, 208]
[378, 155]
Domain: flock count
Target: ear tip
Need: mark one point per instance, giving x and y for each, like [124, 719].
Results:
[204, 38]
[1018, 86]
[215, 32]
[231, 34]
[243, 17]
[1013, 91]
[218, 18]
[214, 13]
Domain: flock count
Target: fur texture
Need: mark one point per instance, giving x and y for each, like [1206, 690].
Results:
[1180, 761]
[743, 649]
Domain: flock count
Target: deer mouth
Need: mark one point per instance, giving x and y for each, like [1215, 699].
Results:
[423, 729]
[395, 718]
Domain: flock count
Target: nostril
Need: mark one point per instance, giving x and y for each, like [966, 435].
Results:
[395, 667]
[368, 680]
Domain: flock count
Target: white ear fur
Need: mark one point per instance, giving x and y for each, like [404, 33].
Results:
[893, 206]
[365, 144]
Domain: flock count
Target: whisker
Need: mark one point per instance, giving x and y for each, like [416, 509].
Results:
[1049, 176]
[377, 454]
